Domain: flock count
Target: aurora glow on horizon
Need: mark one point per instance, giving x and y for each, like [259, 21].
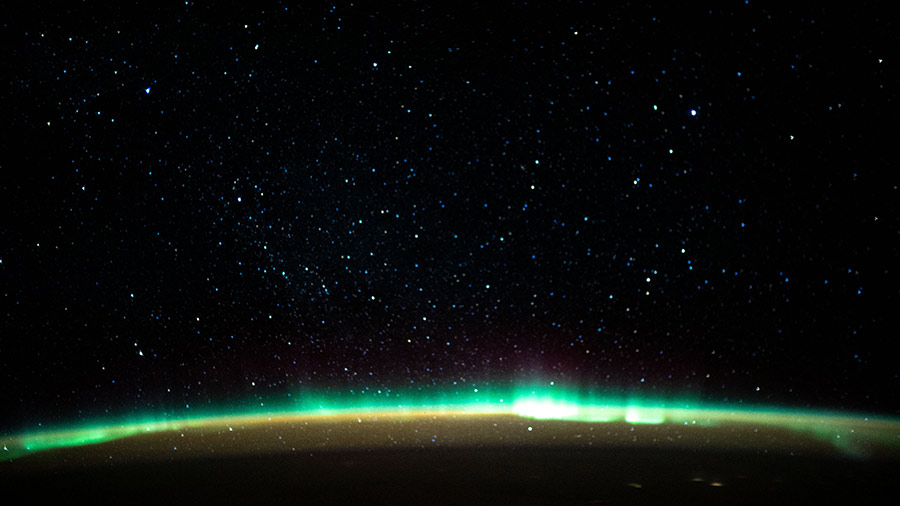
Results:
[847, 432]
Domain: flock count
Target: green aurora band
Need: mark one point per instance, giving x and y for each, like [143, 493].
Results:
[538, 403]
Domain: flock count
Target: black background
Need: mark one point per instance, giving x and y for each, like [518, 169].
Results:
[483, 207]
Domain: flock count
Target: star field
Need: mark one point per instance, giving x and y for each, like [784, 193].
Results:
[204, 205]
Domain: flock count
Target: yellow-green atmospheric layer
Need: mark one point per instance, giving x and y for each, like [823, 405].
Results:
[845, 431]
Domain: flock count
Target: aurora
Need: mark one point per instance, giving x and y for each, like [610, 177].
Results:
[572, 411]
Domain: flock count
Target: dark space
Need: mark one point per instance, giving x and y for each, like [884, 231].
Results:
[206, 205]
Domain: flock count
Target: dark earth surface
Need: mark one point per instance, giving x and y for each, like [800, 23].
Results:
[472, 476]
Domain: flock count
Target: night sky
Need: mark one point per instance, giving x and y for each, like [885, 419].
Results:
[205, 206]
